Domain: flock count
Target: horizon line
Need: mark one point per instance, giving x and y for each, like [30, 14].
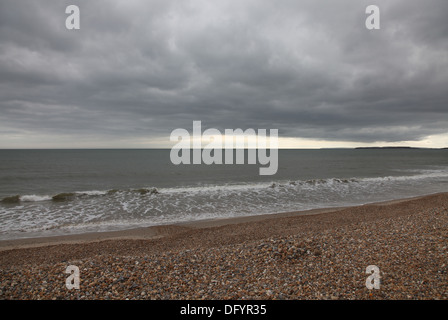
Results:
[168, 148]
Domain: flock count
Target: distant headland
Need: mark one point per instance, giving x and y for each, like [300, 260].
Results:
[393, 147]
[396, 147]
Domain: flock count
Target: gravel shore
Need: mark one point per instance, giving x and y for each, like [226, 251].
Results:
[321, 256]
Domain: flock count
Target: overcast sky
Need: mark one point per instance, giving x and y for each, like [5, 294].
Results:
[136, 70]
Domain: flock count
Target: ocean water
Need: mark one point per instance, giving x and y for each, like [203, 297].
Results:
[57, 192]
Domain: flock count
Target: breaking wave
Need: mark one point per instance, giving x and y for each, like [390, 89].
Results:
[115, 209]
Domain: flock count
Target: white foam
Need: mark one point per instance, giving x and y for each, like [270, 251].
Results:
[423, 174]
[34, 198]
[92, 192]
[214, 188]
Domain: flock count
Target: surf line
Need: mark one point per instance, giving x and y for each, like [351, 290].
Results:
[233, 140]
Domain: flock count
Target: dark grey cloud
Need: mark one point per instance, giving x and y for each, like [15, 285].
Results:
[139, 69]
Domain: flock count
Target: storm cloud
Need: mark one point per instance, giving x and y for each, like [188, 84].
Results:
[136, 70]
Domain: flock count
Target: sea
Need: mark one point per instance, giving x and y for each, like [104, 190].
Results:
[61, 192]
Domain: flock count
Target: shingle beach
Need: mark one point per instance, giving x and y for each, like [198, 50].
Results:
[295, 256]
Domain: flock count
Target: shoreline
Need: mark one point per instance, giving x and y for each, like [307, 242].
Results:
[312, 255]
[150, 232]
[161, 231]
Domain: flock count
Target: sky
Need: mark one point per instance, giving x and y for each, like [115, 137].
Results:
[137, 70]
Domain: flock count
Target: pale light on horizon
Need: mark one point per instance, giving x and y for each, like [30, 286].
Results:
[26, 141]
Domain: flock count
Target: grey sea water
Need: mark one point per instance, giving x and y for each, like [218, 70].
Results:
[54, 192]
